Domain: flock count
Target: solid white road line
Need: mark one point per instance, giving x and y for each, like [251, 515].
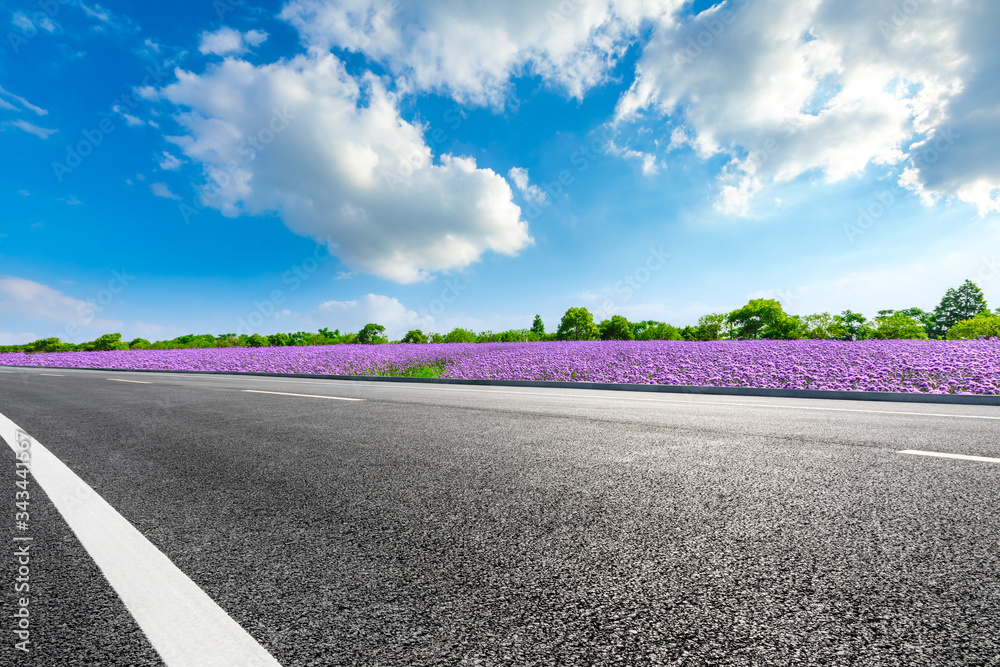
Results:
[52, 375]
[132, 381]
[283, 393]
[184, 625]
[944, 455]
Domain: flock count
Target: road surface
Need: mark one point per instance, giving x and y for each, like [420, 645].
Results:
[436, 524]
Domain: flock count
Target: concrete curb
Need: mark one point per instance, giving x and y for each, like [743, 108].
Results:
[952, 399]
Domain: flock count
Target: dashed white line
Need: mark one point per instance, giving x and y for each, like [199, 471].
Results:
[52, 375]
[945, 455]
[132, 381]
[616, 395]
[183, 624]
[283, 393]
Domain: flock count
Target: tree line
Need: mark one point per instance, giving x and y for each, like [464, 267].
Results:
[961, 314]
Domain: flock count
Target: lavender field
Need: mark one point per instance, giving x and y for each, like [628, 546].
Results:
[952, 367]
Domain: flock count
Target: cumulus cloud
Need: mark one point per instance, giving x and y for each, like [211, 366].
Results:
[350, 316]
[331, 155]
[787, 88]
[471, 50]
[227, 41]
[532, 193]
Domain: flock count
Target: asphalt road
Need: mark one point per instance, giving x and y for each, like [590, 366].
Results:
[456, 525]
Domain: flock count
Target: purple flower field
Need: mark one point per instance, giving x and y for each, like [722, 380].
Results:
[952, 367]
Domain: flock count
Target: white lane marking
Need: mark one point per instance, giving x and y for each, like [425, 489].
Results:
[182, 622]
[284, 393]
[944, 455]
[132, 381]
[52, 375]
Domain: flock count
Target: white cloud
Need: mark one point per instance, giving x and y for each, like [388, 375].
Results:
[118, 23]
[35, 301]
[532, 193]
[333, 157]
[650, 167]
[351, 316]
[8, 100]
[254, 37]
[786, 88]
[21, 20]
[227, 41]
[7, 338]
[162, 190]
[471, 50]
[31, 128]
[169, 162]
[132, 121]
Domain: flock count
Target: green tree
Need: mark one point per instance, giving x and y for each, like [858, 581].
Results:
[983, 325]
[518, 336]
[962, 303]
[458, 335]
[762, 318]
[577, 324]
[48, 345]
[920, 316]
[639, 327]
[617, 328]
[139, 344]
[855, 325]
[822, 325]
[897, 325]
[279, 340]
[659, 331]
[256, 340]
[709, 327]
[371, 334]
[537, 327]
[106, 343]
[415, 336]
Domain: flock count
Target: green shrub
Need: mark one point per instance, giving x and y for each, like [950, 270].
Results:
[984, 325]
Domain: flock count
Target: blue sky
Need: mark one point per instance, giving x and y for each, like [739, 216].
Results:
[262, 167]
